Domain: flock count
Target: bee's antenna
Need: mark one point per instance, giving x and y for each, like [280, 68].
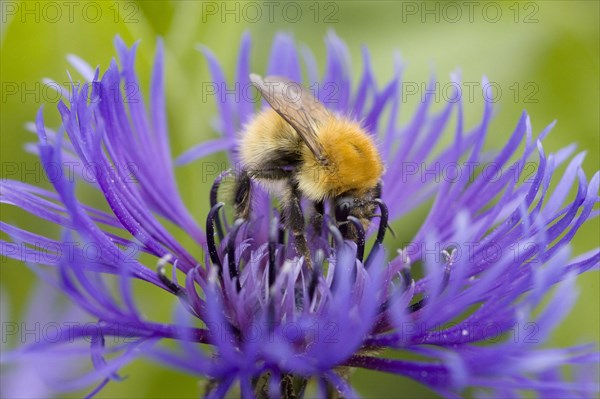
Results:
[392, 232]
[233, 269]
[389, 227]
[213, 214]
[360, 240]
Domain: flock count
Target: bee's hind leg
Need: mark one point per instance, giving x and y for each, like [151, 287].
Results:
[294, 220]
[243, 186]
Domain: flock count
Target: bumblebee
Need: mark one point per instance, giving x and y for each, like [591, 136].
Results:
[297, 149]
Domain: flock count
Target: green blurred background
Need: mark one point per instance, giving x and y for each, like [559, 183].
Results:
[543, 55]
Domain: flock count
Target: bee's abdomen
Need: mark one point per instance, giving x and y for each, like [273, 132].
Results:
[354, 163]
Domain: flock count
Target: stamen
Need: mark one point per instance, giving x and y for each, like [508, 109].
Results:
[384, 306]
[405, 271]
[233, 270]
[360, 239]
[273, 238]
[302, 388]
[316, 273]
[336, 236]
[450, 258]
[383, 223]
[418, 305]
[406, 280]
[162, 275]
[287, 386]
[214, 190]
[271, 310]
[213, 215]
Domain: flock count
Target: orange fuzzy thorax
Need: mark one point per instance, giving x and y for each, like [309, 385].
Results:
[354, 162]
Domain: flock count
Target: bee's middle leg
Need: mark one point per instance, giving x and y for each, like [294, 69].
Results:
[294, 220]
[243, 187]
[317, 217]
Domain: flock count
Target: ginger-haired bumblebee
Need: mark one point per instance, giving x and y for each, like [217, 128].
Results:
[297, 149]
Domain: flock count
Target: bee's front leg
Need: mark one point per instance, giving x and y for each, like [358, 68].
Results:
[317, 217]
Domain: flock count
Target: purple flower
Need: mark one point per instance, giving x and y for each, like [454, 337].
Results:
[492, 246]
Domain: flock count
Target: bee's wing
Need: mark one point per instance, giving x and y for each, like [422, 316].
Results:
[297, 106]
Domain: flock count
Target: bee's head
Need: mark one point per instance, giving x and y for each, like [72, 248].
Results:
[361, 205]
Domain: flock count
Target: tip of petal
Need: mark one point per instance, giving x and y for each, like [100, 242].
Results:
[160, 45]
[39, 124]
[81, 66]
[118, 41]
[205, 50]
[399, 62]
[456, 76]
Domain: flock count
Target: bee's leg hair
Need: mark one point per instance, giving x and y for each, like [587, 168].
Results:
[243, 186]
[317, 217]
[378, 190]
[294, 219]
[282, 223]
